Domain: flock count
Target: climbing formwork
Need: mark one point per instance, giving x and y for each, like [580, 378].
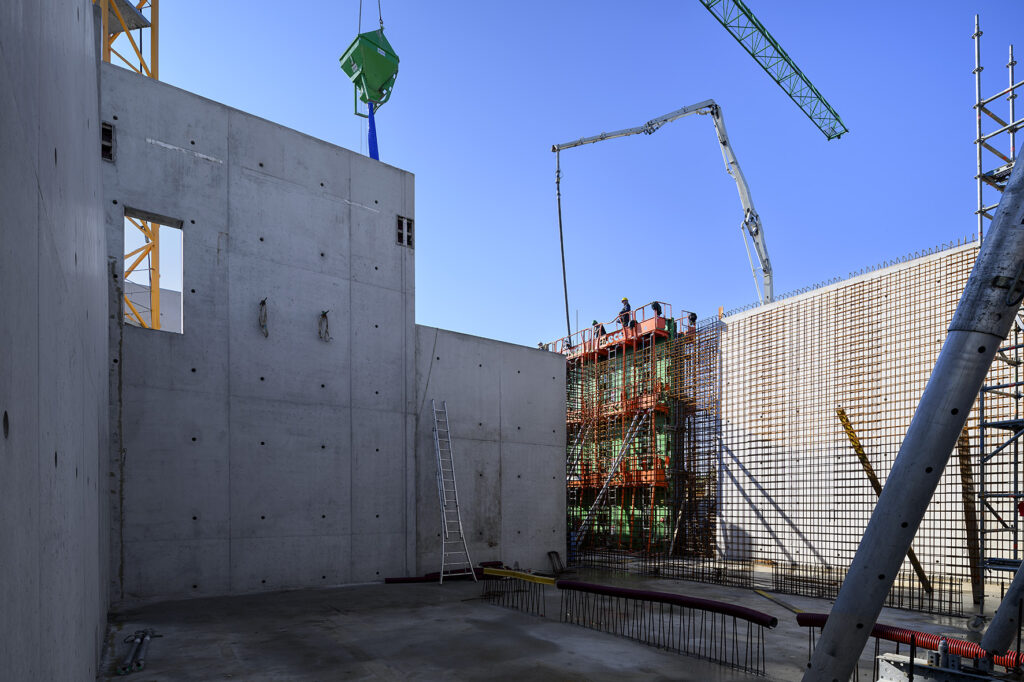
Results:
[642, 458]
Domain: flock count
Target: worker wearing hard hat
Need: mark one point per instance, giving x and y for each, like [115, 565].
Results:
[624, 313]
[598, 329]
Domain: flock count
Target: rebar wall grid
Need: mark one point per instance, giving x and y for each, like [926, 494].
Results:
[796, 495]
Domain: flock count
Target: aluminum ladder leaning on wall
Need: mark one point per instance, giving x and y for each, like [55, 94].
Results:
[454, 552]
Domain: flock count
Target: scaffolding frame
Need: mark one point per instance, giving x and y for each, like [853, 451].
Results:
[643, 445]
[1000, 142]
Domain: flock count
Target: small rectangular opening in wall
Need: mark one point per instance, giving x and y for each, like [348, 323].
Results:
[404, 232]
[107, 141]
[153, 271]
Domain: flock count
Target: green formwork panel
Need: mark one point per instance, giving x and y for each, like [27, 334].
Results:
[372, 65]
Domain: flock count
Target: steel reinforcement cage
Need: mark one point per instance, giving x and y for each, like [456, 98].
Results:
[744, 472]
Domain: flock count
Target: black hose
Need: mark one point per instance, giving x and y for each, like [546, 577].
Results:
[561, 238]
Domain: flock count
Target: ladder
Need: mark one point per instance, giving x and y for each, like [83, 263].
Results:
[454, 552]
[575, 451]
[639, 419]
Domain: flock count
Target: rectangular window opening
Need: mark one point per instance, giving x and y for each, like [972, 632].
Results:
[404, 233]
[153, 271]
[107, 141]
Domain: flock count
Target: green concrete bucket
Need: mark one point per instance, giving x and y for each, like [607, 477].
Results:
[372, 65]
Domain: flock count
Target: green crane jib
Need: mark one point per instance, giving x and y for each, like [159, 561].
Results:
[742, 25]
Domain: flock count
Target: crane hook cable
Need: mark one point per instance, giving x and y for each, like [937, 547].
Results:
[561, 238]
[380, 17]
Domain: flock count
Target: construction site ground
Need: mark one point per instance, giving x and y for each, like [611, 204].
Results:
[426, 631]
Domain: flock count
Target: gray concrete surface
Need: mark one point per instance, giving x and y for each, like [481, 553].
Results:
[248, 463]
[245, 462]
[53, 310]
[506, 411]
[384, 632]
[432, 632]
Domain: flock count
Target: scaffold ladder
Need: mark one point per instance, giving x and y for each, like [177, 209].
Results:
[575, 450]
[454, 552]
[639, 419]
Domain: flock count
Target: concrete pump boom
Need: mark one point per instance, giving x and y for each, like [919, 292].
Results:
[751, 221]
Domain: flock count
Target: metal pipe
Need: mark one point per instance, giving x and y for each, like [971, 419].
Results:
[982, 320]
[140, 658]
[1003, 628]
[1013, 96]
[977, 98]
[129, 660]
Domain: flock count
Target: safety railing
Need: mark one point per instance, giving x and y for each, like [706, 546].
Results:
[650, 317]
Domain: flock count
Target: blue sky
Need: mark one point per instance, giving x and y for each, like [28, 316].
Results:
[485, 89]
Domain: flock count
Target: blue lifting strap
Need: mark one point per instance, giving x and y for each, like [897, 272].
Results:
[373, 135]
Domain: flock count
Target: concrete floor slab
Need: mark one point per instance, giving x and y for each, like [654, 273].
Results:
[427, 631]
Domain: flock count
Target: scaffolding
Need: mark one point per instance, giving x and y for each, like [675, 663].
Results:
[1000, 142]
[642, 452]
[1001, 423]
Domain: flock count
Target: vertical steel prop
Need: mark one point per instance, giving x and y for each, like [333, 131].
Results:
[982, 320]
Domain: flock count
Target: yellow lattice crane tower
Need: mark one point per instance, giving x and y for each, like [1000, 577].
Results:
[141, 54]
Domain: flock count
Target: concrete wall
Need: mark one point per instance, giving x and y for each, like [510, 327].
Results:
[506, 411]
[53, 390]
[245, 462]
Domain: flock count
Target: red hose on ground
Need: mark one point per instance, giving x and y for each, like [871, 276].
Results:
[925, 640]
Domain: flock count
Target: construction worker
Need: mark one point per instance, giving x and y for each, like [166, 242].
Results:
[598, 329]
[656, 307]
[624, 313]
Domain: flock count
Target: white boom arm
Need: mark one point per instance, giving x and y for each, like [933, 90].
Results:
[751, 221]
